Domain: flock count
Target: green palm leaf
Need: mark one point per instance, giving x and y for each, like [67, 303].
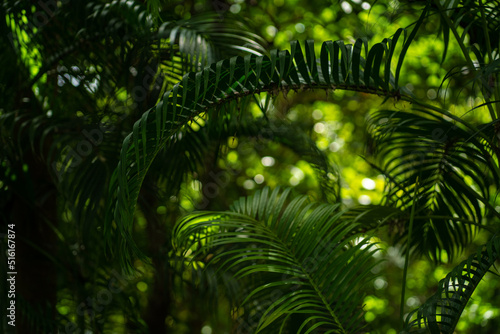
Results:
[455, 166]
[237, 79]
[300, 250]
[120, 35]
[189, 45]
[441, 312]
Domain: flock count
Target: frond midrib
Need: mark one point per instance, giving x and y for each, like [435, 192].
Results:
[306, 274]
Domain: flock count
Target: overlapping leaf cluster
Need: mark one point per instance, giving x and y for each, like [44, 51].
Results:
[453, 162]
[441, 312]
[298, 259]
[340, 66]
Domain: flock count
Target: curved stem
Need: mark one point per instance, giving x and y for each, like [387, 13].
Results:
[407, 257]
[466, 221]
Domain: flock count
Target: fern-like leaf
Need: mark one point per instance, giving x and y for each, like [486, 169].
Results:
[441, 312]
[454, 163]
[297, 259]
[338, 67]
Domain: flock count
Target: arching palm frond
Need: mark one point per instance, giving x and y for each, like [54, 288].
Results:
[339, 66]
[455, 167]
[440, 313]
[296, 258]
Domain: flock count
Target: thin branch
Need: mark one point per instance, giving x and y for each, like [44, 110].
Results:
[407, 258]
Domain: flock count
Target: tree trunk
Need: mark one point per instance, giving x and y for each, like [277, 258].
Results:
[36, 279]
[159, 300]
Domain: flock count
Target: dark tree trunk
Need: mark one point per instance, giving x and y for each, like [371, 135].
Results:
[32, 212]
[159, 299]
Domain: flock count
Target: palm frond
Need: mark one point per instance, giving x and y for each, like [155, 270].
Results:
[479, 23]
[441, 312]
[455, 166]
[339, 66]
[298, 249]
[190, 45]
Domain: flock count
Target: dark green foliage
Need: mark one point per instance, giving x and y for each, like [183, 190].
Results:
[231, 82]
[441, 153]
[292, 256]
[441, 312]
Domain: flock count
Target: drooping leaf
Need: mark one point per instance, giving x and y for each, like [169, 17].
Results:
[441, 312]
[294, 257]
[453, 162]
[222, 83]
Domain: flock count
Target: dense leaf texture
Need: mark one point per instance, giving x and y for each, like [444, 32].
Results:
[453, 162]
[74, 83]
[340, 66]
[297, 258]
